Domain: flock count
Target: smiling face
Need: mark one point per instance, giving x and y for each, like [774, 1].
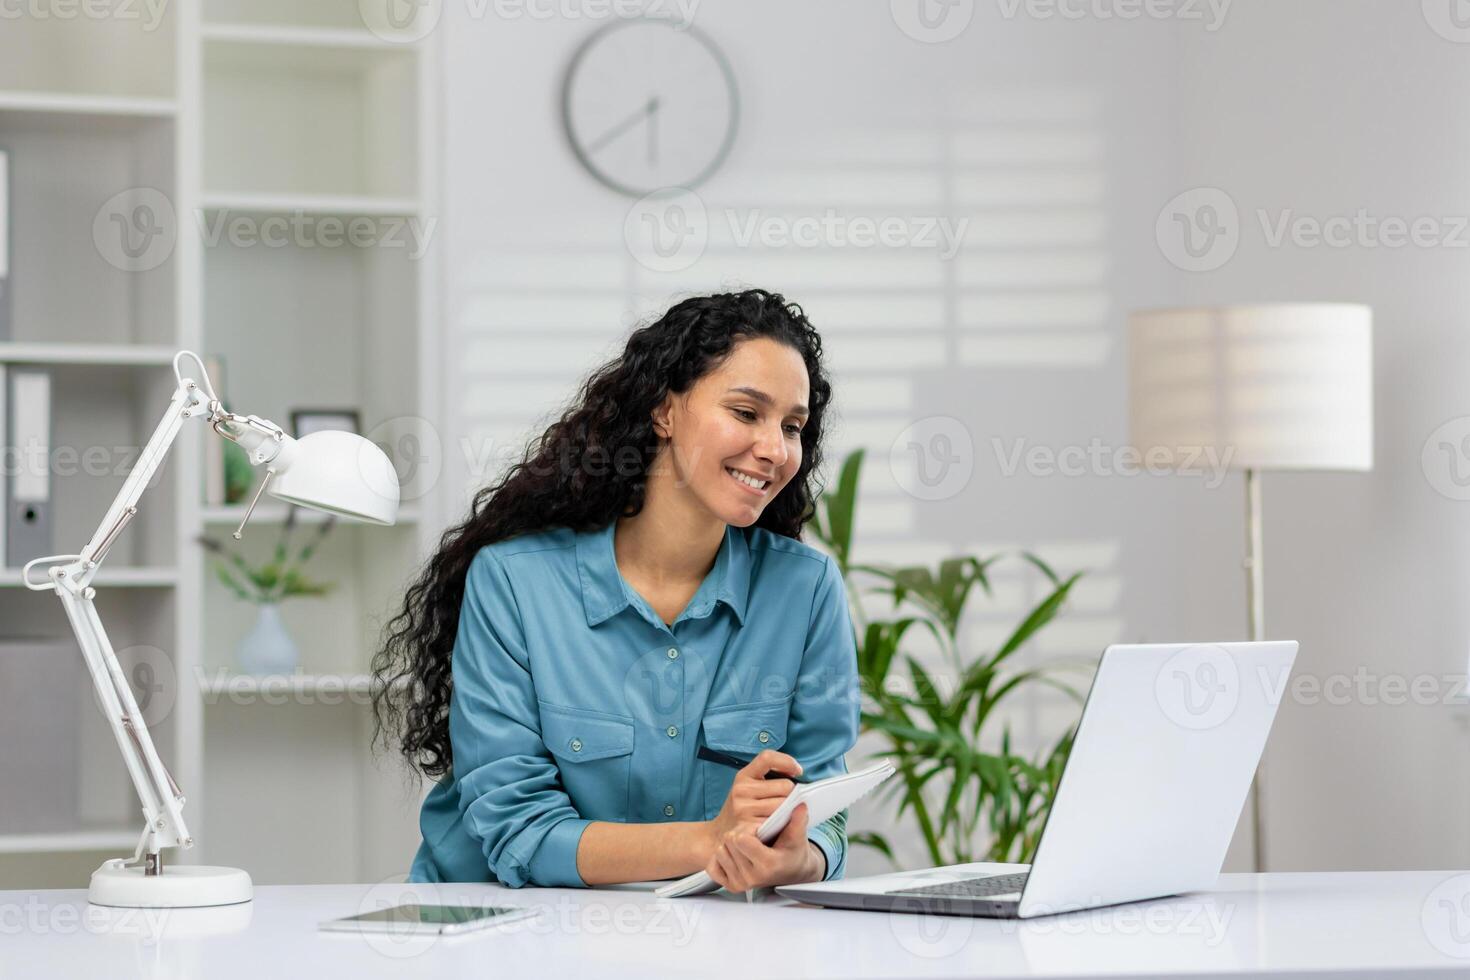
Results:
[734, 439]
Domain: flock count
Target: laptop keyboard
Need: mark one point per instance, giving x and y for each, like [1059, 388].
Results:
[982, 887]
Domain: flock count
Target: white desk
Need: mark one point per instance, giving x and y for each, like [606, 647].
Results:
[1404, 924]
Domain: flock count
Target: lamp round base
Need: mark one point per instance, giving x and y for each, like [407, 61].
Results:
[180, 886]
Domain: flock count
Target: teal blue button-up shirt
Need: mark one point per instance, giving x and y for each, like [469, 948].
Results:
[573, 701]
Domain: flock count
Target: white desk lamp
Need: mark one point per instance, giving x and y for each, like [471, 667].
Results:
[1276, 386]
[338, 472]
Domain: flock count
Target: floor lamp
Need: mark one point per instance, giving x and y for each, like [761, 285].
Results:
[1276, 386]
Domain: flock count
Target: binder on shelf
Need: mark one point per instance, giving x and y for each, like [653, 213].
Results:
[28, 523]
[7, 459]
[5, 304]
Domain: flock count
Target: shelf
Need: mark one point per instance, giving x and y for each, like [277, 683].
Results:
[79, 840]
[109, 355]
[276, 514]
[48, 111]
[311, 37]
[108, 578]
[313, 204]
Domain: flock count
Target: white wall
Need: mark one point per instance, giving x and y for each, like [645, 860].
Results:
[1061, 140]
[1326, 107]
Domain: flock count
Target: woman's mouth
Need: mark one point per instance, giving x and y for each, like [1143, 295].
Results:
[750, 483]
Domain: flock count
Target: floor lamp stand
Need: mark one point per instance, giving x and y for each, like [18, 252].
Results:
[1255, 598]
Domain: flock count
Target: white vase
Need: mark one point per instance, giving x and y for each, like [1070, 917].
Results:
[268, 647]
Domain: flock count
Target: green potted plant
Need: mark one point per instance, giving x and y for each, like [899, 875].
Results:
[268, 647]
[950, 745]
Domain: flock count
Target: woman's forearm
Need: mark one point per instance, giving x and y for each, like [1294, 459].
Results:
[608, 853]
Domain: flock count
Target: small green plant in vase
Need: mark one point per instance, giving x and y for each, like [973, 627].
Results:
[268, 647]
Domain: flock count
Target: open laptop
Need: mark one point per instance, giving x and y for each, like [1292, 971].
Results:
[1161, 766]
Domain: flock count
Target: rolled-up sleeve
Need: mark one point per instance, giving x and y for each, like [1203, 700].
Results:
[824, 715]
[510, 793]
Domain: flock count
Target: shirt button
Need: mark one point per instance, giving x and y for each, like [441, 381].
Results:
[673, 653]
[673, 731]
[764, 737]
[668, 809]
[576, 745]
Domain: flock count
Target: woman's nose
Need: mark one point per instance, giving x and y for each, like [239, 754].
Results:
[772, 446]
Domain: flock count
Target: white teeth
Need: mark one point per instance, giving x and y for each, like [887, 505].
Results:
[748, 481]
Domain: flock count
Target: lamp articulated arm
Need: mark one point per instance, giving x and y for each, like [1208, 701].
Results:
[70, 578]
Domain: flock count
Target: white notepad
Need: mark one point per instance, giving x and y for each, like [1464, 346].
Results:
[824, 799]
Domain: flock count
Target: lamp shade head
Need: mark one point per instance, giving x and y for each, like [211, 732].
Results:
[1279, 386]
[337, 472]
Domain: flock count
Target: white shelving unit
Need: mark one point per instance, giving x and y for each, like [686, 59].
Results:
[234, 110]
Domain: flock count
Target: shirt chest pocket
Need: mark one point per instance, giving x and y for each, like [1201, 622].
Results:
[743, 730]
[594, 754]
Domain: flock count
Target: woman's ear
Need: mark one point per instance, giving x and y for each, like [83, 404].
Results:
[661, 417]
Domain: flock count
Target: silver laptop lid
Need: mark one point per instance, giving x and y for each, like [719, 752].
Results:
[1160, 769]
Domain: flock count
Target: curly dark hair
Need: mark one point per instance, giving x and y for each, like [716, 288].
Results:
[587, 469]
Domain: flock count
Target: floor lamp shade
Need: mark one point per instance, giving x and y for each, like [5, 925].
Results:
[1279, 386]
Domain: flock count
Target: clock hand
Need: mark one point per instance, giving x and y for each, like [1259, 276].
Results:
[621, 128]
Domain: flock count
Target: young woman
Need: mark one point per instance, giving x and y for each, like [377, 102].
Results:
[634, 589]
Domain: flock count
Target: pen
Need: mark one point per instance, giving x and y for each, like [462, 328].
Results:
[711, 755]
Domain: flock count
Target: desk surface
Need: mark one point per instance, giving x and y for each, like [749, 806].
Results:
[1277, 925]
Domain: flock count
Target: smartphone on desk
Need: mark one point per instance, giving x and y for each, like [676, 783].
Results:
[429, 920]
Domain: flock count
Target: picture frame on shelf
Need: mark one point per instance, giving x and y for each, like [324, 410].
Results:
[305, 421]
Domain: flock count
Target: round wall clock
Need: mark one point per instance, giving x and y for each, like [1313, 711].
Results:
[649, 104]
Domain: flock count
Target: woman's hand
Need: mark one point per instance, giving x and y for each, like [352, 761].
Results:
[752, 796]
[742, 862]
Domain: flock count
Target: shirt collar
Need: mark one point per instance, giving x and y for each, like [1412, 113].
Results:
[605, 593]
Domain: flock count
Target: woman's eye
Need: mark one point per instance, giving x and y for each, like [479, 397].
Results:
[794, 429]
[743, 412]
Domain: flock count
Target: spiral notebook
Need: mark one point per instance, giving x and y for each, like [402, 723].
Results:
[824, 798]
